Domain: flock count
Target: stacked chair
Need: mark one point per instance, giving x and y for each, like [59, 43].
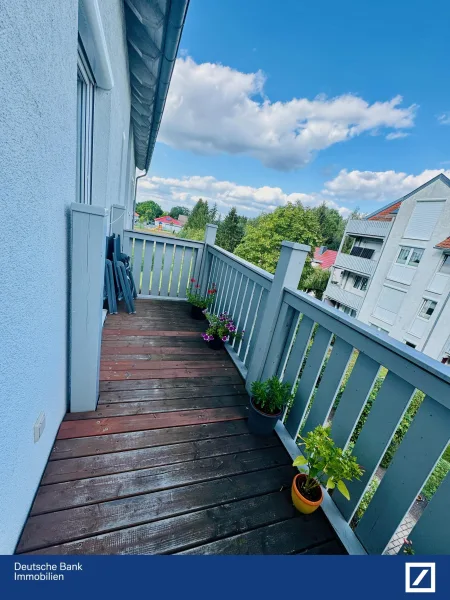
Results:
[119, 282]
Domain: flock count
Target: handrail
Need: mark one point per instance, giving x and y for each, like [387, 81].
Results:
[417, 368]
[162, 238]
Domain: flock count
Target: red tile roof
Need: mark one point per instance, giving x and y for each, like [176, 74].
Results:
[445, 245]
[169, 220]
[386, 214]
[326, 259]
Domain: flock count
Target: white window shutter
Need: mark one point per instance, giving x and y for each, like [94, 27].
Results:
[389, 304]
[423, 220]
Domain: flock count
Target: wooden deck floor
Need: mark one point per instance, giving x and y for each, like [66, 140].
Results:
[166, 463]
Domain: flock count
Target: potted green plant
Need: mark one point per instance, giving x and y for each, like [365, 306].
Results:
[200, 304]
[327, 465]
[266, 404]
[221, 329]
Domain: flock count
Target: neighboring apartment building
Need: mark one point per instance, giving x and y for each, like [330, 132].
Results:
[82, 91]
[394, 273]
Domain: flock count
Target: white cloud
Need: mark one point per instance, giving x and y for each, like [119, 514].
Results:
[444, 118]
[396, 135]
[214, 109]
[377, 185]
[248, 200]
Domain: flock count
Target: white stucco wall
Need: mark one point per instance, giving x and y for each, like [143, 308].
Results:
[38, 65]
[38, 92]
[423, 273]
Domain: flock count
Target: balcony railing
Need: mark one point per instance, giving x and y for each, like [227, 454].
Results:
[355, 264]
[365, 228]
[342, 296]
[332, 363]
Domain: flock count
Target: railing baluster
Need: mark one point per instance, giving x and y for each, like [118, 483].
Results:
[431, 535]
[289, 343]
[253, 324]
[307, 383]
[178, 258]
[168, 259]
[137, 263]
[242, 307]
[329, 385]
[236, 292]
[298, 351]
[358, 388]
[230, 291]
[185, 272]
[384, 417]
[224, 286]
[147, 266]
[219, 275]
[416, 457]
[157, 267]
[278, 341]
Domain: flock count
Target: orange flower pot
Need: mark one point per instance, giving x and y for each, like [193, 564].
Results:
[301, 503]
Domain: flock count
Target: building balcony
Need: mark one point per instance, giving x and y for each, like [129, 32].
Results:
[356, 264]
[365, 228]
[335, 292]
[166, 463]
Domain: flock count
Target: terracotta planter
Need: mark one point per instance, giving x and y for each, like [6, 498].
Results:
[216, 343]
[301, 503]
[261, 423]
[197, 313]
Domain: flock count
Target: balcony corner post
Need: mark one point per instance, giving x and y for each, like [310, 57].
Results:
[288, 272]
[205, 260]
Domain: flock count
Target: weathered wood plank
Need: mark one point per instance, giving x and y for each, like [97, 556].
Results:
[75, 523]
[69, 429]
[156, 352]
[72, 469]
[140, 408]
[184, 393]
[105, 444]
[118, 333]
[178, 533]
[287, 537]
[80, 492]
[160, 365]
[214, 356]
[166, 373]
[152, 384]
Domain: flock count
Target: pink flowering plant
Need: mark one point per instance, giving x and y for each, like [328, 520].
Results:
[196, 299]
[222, 328]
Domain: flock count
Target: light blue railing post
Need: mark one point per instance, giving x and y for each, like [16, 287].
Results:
[205, 259]
[288, 272]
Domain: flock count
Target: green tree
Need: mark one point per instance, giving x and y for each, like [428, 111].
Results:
[261, 244]
[316, 281]
[176, 211]
[200, 216]
[149, 210]
[332, 225]
[231, 230]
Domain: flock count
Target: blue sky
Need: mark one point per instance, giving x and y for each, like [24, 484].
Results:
[273, 102]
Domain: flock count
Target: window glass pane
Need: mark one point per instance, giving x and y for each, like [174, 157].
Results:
[403, 256]
[357, 282]
[416, 255]
[427, 309]
[445, 267]
[364, 282]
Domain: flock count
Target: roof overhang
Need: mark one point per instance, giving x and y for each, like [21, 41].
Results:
[154, 30]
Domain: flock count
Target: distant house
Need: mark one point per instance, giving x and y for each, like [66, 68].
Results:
[324, 258]
[183, 219]
[168, 224]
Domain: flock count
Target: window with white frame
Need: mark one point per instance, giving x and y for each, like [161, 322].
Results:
[427, 309]
[85, 126]
[360, 283]
[409, 257]
[445, 265]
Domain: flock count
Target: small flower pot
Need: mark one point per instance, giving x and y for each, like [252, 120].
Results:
[216, 343]
[261, 423]
[301, 503]
[197, 313]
